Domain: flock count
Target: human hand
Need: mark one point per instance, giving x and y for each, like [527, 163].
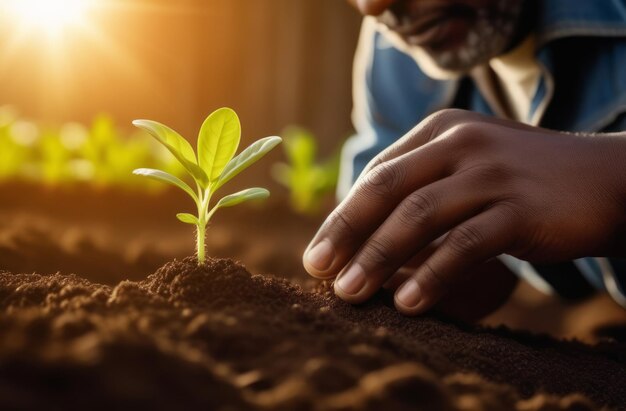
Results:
[488, 187]
[480, 291]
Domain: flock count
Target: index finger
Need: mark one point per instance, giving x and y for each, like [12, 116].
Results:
[427, 130]
[435, 125]
[375, 195]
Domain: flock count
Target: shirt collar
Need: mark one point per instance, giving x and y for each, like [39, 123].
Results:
[560, 18]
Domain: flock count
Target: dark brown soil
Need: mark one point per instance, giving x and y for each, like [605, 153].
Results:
[109, 235]
[219, 338]
[216, 337]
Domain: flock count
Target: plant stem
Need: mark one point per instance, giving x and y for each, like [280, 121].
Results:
[200, 242]
[203, 205]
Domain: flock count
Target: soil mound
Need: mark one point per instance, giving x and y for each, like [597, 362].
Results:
[219, 338]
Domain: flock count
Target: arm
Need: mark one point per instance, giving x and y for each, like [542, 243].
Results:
[488, 187]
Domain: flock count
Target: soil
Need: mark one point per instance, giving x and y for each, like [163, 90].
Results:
[91, 329]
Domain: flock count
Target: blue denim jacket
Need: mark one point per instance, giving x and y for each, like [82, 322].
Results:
[581, 48]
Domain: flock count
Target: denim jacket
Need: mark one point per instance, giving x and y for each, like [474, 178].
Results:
[581, 49]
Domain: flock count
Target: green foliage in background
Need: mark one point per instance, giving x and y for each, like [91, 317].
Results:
[96, 154]
[309, 181]
[13, 152]
[214, 165]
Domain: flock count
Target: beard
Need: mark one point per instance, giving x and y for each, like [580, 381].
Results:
[491, 34]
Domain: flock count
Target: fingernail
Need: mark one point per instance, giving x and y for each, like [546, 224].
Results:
[409, 294]
[321, 256]
[352, 281]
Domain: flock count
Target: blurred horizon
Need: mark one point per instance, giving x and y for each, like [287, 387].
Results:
[276, 62]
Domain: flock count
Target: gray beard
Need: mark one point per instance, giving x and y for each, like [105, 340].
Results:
[490, 36]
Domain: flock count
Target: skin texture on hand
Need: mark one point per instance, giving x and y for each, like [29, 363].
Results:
[470, 188]
[479, 293]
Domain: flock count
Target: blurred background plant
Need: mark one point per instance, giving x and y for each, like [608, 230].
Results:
[310, 182]
[72, 153]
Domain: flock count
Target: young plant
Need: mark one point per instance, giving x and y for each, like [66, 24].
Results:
[308, 180]
[213, 166]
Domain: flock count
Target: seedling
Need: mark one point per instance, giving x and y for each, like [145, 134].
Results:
[308, 180]
[213, 166]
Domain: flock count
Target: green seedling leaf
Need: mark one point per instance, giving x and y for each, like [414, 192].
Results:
[188, 218]
[218, 141]
[177, 145]
[241, 196]
[166, 178]
[246, 158]
[170, 138]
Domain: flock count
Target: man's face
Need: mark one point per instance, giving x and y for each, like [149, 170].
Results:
[456, 34]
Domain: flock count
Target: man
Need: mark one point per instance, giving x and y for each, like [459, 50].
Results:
[440, 194]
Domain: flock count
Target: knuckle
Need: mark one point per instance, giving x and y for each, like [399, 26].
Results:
[492, 173]
[467, 130]
[418, 209]
[513, 211]
[470, 132]
[442, 120]
[388, 153]
[378, 253]
[340, 222]
[385, 179]
[377, 161]
[448, 116]
[465, 240]
[518, 218]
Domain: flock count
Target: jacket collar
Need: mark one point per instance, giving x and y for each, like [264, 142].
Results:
[560, 18]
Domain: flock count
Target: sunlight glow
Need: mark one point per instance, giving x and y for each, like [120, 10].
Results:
[50, 17]
[62, 44]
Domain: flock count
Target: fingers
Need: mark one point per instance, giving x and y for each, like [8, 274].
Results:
[398, 278]
[480, 293]
[407, 270]
[395, 185]
[482, 237]
[381, 187]
[369, 203]
[379, 192]
[434, 126]
[418, 220]
[426, 131]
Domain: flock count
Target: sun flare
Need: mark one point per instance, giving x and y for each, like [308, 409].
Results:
[50, 17]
